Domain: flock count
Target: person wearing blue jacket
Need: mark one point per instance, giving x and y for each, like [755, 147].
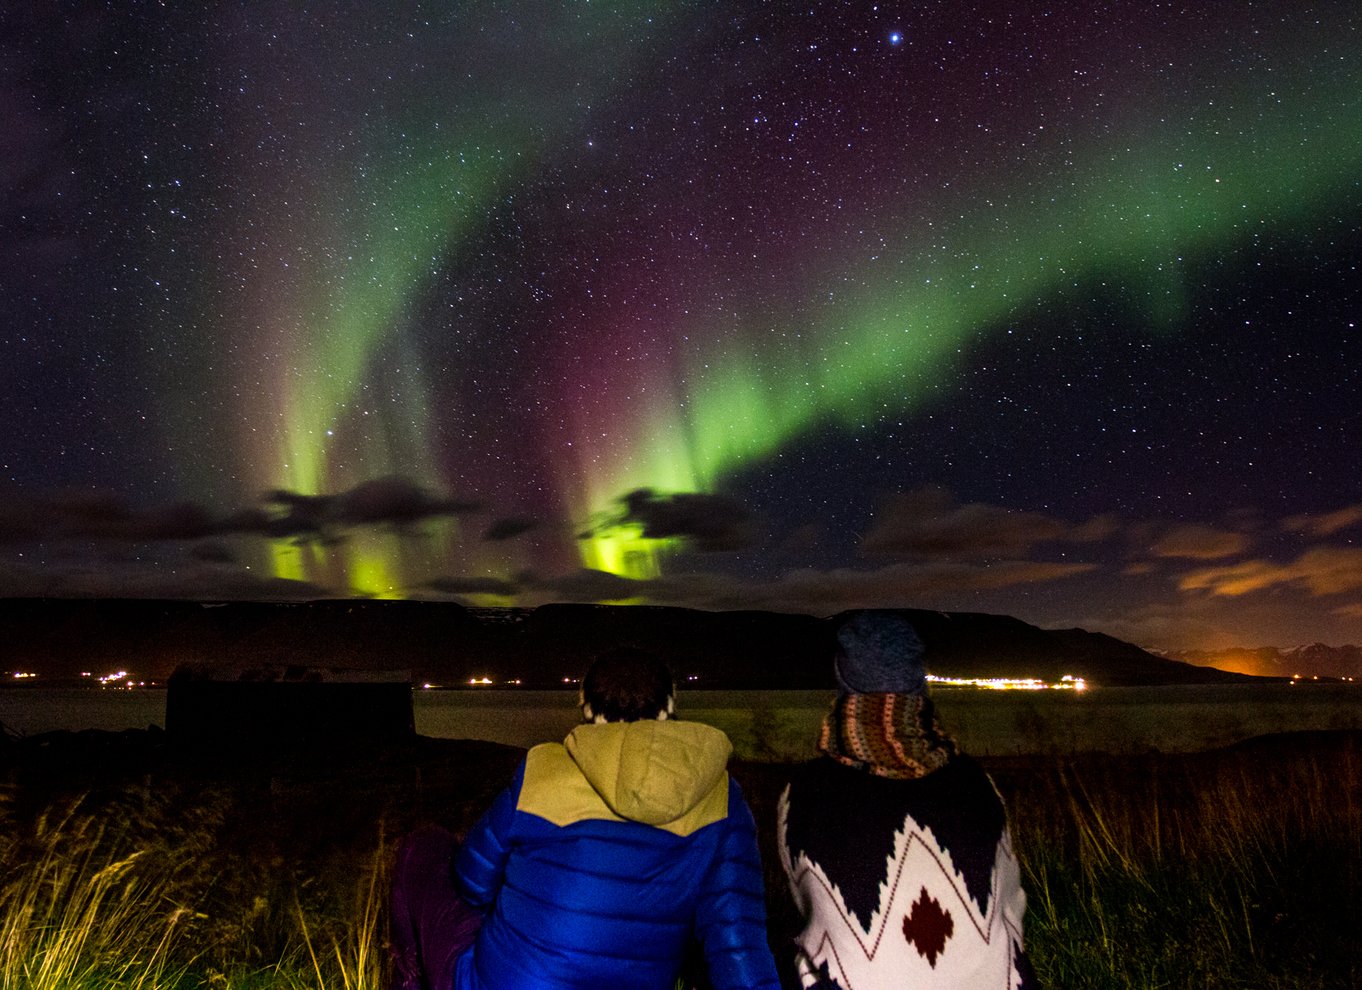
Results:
[607, 856]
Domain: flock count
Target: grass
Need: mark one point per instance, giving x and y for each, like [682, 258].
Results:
[352, 954]
[1236, 868]
[91, 900]
[83, 909]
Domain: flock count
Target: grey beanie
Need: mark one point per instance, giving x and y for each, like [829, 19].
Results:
[879, 652]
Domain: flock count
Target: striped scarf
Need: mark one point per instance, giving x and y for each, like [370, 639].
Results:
[888, 735]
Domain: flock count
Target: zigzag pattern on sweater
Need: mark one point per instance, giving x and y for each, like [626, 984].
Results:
[928, 928]
[869, 936]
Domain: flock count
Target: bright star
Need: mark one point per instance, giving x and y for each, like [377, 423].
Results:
[895, 38]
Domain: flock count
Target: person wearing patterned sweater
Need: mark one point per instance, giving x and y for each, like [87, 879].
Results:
[895, 844]
[604, 861]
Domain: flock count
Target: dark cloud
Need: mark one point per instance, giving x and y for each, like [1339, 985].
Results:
[930, 523]
[182, 521]
[24, 517]
[706, 522]
[1197, 542]
[1166, 624]
[587, 585]
[811, 591]
[951, 556]
[1326, 524]
[296, 515]
[263, 523]
[87, 576]
[98, 516]
[472, 586]
[394, 500]
[386, 501]
[906, 582]
[213, 552]
[104, 516]
[1096, 529]
[509, 528]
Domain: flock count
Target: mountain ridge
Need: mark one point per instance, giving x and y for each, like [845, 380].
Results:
[450, 644]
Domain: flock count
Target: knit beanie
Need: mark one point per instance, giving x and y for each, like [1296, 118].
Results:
[879, 652]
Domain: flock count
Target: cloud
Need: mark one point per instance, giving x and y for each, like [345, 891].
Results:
[391, 500]
[588, 585]
[907, 580]
[107, 517]
[213, 551]
[1196, 542]
[1331, 570]
[509, 528]
[1096, 529]
[930, 523]
[1288, 615]
[98, 516]
[192, 579]
[472, 586]
[394, 500]
[1326, 524]
[301, 515]
[1321, 570]
[1237, 579]
[706, 522]
[811, 591]
[1162, 625]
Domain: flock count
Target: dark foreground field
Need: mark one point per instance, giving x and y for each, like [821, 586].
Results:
[129, 862]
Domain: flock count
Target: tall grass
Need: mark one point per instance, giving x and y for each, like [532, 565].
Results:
[1233, 869]
[350, 953]
[85, 910]
[96, 896]
[1236, 869]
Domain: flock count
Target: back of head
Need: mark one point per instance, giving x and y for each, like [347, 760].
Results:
[627, 685]
[883, 721]
[879, 652]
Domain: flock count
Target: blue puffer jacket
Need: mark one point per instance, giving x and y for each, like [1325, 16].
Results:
[606, 855]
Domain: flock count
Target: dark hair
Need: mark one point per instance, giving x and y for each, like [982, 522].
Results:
[626, 685]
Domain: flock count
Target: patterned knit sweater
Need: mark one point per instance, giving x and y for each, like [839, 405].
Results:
[903, 883]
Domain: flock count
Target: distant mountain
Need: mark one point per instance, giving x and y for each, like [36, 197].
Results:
[1315, 660]
[449, 644]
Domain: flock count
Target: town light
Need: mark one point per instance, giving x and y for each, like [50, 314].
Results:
[1066, 683]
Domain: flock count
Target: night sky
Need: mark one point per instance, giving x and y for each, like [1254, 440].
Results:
[1042, 309]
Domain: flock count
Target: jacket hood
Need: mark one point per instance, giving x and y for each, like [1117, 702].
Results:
[650, 772]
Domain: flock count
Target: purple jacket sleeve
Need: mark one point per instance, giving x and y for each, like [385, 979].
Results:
[730, 920]
[481, 860]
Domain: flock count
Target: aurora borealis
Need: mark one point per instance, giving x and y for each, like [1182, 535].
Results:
[1027, 308]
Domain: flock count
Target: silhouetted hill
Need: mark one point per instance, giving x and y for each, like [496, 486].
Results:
[447, 643]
